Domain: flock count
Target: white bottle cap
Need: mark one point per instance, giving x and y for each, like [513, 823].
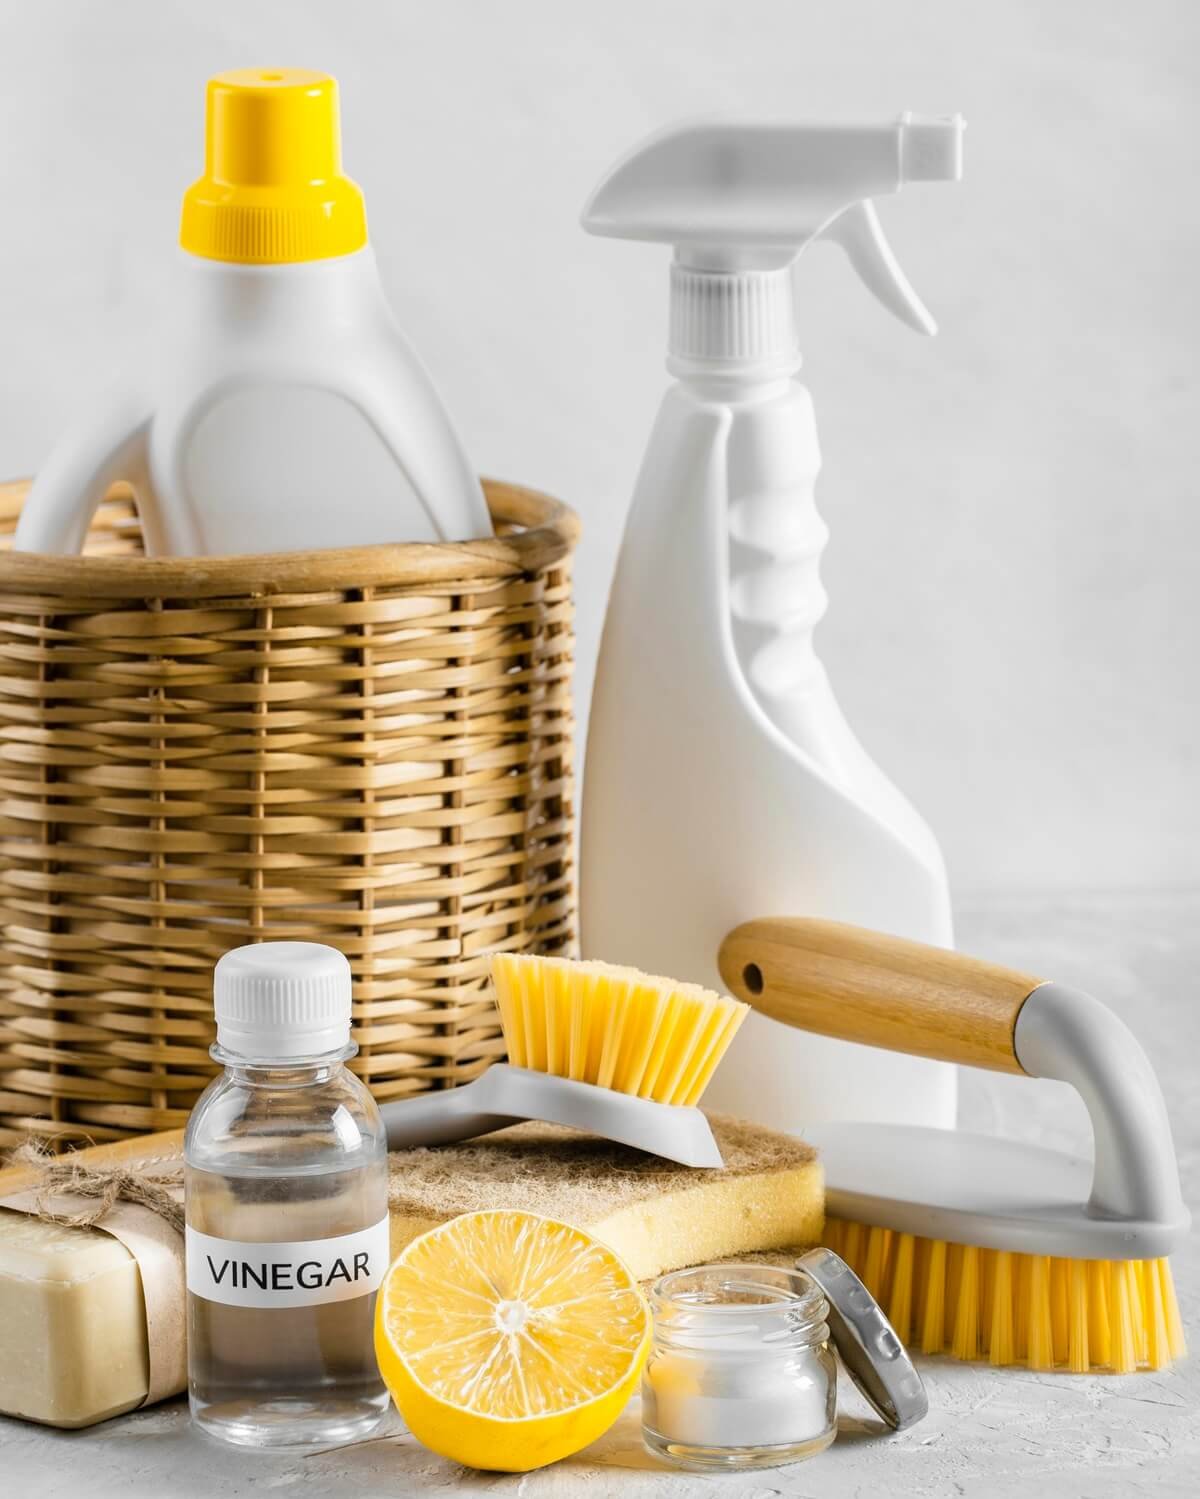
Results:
[735, 322]
[282, 1000]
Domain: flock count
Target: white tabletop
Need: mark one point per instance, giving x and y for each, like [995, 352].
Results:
[989, 1434]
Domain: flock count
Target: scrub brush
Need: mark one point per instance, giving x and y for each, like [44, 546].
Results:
[979, 1247]
[603, 1049]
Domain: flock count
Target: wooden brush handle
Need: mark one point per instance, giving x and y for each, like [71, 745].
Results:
[859, 985]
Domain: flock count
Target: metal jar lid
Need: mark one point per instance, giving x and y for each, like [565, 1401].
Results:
[875, 1358]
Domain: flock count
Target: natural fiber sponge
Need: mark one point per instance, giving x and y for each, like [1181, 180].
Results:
[656, 1216]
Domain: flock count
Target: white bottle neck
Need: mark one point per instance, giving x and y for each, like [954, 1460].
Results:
[342, 290]
[734, 389]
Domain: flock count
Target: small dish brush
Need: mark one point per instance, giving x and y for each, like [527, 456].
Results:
[978, 1247]
[604, 1049]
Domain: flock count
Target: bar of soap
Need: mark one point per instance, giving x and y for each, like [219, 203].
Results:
[72, 1323]
[72, 1319]
[656, 1215]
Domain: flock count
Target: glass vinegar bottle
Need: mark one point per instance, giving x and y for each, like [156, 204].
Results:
[286, 1204]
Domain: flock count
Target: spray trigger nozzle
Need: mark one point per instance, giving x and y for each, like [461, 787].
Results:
[739, 202]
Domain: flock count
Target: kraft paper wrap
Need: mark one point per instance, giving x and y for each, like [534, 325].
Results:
[156, 1246]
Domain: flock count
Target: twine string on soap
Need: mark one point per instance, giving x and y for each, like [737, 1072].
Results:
[105, 1186]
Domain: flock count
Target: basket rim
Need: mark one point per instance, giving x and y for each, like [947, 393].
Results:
[550, 532]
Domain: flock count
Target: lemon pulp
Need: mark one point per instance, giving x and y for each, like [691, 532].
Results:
[509, 1340]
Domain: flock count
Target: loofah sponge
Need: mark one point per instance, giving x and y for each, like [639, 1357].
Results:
[657, 1216]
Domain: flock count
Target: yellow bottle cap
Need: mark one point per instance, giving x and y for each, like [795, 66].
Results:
[273, 190]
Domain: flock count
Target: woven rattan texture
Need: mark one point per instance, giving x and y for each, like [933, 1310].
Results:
[384, 767]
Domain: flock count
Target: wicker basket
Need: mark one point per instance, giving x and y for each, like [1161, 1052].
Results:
[197, 753]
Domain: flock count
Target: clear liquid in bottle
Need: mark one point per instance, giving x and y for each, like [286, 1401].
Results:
[278, 1375]
[286, 1205]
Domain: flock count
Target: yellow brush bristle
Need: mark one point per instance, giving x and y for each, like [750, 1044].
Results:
[615, 1027]
[1077, 1316]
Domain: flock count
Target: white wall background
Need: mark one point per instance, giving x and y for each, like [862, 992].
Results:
[1016, 534]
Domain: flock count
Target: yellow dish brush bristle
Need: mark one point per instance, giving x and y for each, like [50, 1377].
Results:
[1038, 1311]
[615, 1027]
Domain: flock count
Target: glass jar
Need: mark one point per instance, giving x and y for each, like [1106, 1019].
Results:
[740, 1374]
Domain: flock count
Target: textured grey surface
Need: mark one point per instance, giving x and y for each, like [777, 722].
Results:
[989, 1435]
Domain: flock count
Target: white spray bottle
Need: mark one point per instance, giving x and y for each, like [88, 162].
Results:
[722, 782]
[277, 406]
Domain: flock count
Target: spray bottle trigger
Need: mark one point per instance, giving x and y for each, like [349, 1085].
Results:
[858, 231]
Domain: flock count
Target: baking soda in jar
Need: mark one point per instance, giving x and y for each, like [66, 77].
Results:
[740, 1375]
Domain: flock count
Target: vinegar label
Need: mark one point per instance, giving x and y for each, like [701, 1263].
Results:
[307, 1272]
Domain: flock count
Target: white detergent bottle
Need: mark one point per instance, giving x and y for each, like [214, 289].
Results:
[721, 781]
[277, 406]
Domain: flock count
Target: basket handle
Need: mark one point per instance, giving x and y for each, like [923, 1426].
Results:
[858, 985]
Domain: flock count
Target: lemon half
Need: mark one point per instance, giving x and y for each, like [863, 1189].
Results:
[509, 1340]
